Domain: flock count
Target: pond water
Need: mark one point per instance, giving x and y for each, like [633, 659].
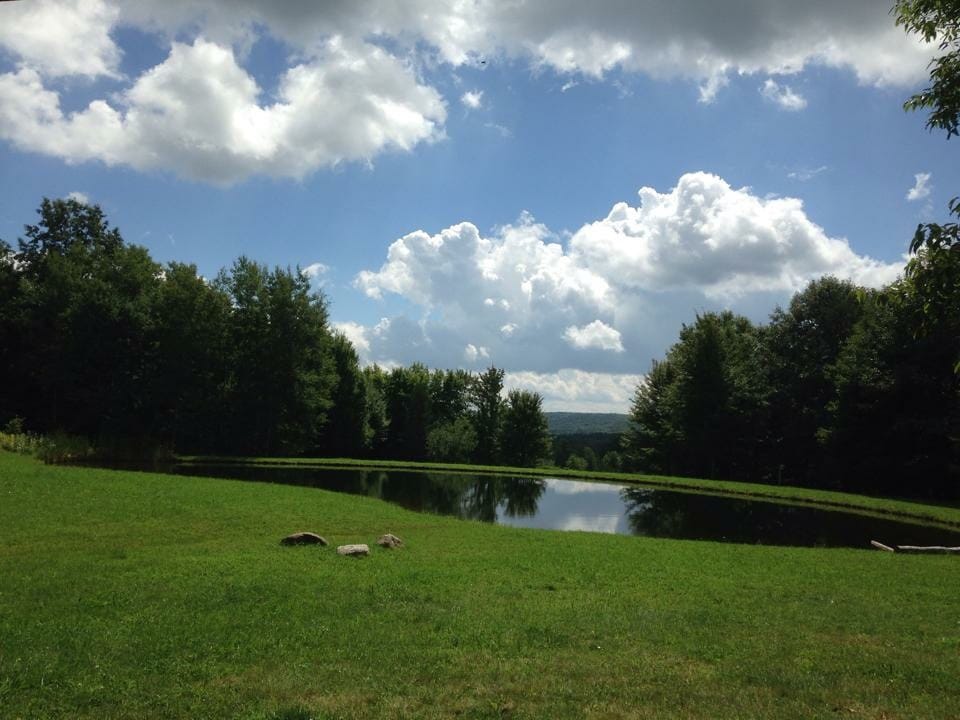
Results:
[560, 504]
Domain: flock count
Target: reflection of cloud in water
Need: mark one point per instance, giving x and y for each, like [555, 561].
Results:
[591, 523]
[575, 487]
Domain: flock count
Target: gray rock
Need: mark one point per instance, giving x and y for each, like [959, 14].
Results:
[303, 538]
[353, 550]
[389, 541]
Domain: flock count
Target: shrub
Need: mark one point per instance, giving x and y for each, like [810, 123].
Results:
[61, 447]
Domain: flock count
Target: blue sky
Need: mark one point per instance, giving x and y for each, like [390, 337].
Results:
[466, 175]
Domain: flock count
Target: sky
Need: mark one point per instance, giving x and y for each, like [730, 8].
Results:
[551, 187]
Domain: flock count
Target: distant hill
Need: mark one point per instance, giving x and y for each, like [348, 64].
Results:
[573, 423]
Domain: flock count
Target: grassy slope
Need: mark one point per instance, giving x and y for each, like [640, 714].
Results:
[137, 595]
[934, 514]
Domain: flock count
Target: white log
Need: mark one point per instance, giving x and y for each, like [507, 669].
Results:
[927, 549]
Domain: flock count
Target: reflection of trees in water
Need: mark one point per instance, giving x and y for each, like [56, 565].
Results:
[648, 515]
[519, 496]
[372, 482]
[672, 514]
[471, 497]
[425, 492]
[709, 517]
[522, 495]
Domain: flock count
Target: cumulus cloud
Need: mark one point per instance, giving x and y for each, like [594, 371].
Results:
[199, 114]
[356, 334]
[472, 353]
[62, 37]
[782, 95]
[79, 197]
[472, 99]
[611, 297]
[921, 187]
[577, 390]
[597, 335]
[707, 236]
[698, 39]
[344, 98]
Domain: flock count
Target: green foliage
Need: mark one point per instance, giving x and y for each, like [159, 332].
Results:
[347, 431]
[803, 344]
[193, 359]
[60, 447]
[487, 410]
[897, 401]
[524, 436]
[575, 462]
[936, 21]
[407, 396]
[612, 461]
[108, 345]
[699, 412]
[281, 374]
[846, 388]
[19, 442]
[452, 441]
[377, 420]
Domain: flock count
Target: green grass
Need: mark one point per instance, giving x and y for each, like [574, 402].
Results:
[137, 595]
[944, 515]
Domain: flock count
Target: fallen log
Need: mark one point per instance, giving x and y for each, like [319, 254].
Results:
[916, 548]
[927, 549]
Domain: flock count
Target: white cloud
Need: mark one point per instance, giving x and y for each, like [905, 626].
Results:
[577, 487]
[79, 197]
[201, 115]
[806, 174]
[537, 304]
[596, 335]
[356, 334]
[472, 353]
[782, 95]
[62, 37]
[705, 235]
[701, 40]
[921, 187]
[571, 389]
[315, 270]
[472, 99]
[502, 130]
[198, 114]
[590, 523]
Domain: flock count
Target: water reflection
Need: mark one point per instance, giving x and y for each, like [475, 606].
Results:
[557, 504]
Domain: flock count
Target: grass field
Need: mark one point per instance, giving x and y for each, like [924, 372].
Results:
[133, 595]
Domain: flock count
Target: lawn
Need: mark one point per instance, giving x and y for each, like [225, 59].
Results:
[134, 595]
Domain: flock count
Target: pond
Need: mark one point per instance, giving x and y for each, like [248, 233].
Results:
[560, 504]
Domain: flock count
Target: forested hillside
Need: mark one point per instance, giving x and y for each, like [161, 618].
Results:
[577, 423]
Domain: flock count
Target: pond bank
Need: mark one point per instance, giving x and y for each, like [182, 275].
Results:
[946, 516]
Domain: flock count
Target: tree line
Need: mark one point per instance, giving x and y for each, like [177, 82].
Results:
[99, 340]
[846, 388]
